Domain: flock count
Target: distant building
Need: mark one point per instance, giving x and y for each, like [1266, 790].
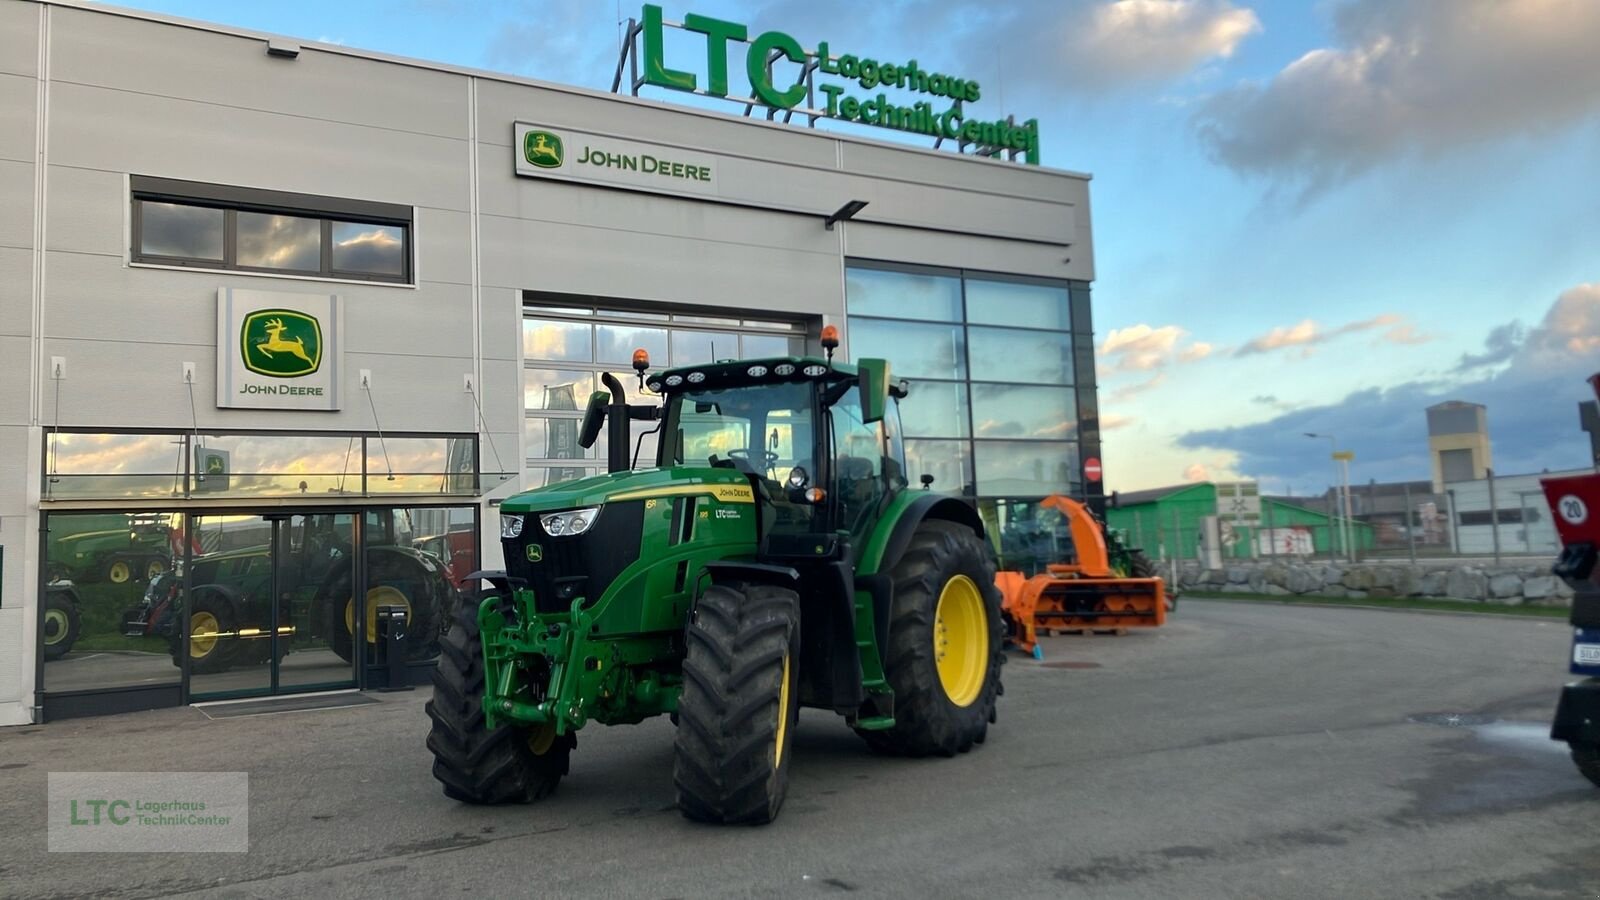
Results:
[1515, 508]
[1458, 442]
[1167, 522]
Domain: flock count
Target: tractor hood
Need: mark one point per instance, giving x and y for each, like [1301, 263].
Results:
[640, 484]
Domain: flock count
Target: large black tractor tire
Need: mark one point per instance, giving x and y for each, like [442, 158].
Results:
[62, 623]
[739, 706]
[946, 566]
[477, 764]
[1587, 759]
[1140, 566]
[392, 579]
[210, 613]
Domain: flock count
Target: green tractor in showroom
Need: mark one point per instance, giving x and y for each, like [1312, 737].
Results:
[774, 557]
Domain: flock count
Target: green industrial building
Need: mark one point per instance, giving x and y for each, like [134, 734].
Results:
[1167, 523]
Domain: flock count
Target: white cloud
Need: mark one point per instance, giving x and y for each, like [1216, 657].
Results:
[1409, 77]
[1113, 421]
[1307, 334]
[1132, 390]
[1143, 348]
[1197, 472]
[1131, 41]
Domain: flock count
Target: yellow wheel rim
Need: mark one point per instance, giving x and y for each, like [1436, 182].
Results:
[961, 640]
[542, 738]
[783, 713]
[154, 568]
[55, 627]
[203, 628]
[119, 573]
[383, 595]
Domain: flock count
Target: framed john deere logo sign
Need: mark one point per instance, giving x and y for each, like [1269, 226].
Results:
[278, 350]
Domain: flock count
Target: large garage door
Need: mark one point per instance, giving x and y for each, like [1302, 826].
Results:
[566, 347]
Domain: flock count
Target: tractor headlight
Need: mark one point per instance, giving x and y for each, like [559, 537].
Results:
[570, 523]
[510, 527]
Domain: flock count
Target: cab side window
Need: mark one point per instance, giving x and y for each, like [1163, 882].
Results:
[857, 463]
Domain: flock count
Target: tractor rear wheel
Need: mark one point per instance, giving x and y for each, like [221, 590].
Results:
[1140, 566]
[946, 644]
[737, 714]
[476, 763]
[1587, 758]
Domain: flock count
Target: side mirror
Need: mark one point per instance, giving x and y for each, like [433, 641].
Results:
[594, 416]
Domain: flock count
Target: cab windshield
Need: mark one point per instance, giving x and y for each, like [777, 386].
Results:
[764, 430]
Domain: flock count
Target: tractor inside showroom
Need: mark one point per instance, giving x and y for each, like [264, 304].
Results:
[773, 556]
[230, 615]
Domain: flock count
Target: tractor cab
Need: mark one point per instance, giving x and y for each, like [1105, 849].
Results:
[819, 442]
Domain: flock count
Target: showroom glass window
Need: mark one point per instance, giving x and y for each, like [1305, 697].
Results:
[210, 226]
[566, 344]
[1001, 370]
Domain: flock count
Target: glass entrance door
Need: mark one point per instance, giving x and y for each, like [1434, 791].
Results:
[266, 604]
[316, 578]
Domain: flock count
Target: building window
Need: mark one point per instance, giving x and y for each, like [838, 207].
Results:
[183, 223]
[566, 344]
[1001, 370]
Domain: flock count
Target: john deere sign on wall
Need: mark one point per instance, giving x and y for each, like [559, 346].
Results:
[549, 152]
[901, 94]
[278, 350]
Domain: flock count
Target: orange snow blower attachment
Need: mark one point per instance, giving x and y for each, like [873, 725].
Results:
[1101, 589]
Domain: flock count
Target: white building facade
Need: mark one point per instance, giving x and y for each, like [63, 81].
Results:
[281, 322]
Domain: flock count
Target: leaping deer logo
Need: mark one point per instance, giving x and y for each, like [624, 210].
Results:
[281, 343]
[276, 341]
[542, 149]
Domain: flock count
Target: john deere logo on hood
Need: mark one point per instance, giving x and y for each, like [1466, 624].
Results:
[542, 149]
[281, 343]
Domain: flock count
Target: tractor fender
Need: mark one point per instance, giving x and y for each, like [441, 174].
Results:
[900, 522]
[226, 595]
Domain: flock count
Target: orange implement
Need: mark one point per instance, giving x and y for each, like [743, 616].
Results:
[1086, 594]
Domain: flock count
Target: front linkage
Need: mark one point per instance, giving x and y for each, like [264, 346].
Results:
[549, 668]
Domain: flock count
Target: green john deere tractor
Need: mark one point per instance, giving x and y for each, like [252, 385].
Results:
[772, 557]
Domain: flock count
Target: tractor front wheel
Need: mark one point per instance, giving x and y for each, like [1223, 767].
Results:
[739, 705]
[61, 624]
[1142, 567]
[946, 644]
[476, 763]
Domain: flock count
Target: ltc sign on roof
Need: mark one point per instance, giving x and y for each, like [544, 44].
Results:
[926, 101]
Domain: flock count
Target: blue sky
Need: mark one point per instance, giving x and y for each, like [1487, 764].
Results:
[1307, 214]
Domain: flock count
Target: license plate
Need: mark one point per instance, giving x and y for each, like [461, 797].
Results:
[1586, 654]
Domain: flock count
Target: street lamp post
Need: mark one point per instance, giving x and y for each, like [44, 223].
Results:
[1341, 484]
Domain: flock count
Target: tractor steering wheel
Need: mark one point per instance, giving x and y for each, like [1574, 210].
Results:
[741, 454]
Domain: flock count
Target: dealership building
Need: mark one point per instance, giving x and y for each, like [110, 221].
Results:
[282, 319]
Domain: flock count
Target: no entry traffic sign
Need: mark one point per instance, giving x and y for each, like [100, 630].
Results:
[1091, 468]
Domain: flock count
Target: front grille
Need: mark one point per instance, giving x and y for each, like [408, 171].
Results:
[582, 566]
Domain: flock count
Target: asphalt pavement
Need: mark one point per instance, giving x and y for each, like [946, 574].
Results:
[1245, 750]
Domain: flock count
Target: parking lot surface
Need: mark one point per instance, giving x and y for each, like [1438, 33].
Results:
[1245, 750]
